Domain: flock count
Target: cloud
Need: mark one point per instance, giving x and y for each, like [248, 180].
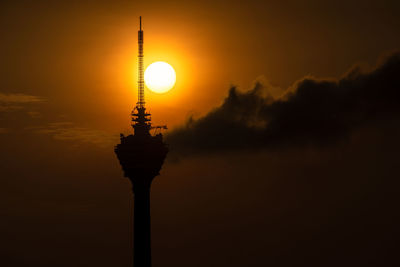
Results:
[34, 114]
[67, 131]
[19, 98]
[311, 112]
[9, 108]
[16, 102]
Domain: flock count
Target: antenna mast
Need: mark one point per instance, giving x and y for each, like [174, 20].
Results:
[141, 120]
[140, 103]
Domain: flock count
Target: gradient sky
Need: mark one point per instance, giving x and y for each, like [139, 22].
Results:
[82, 56]
[68, 84]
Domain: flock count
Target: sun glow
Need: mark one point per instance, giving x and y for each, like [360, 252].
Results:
[160, 77]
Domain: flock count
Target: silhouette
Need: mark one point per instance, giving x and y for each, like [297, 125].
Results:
[141, 156]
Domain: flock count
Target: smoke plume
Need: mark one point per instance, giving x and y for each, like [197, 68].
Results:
[312, 112]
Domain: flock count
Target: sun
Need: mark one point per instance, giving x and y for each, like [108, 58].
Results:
[160, 77]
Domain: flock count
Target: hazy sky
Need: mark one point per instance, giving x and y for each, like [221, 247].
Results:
[81, 55]
[309, 178]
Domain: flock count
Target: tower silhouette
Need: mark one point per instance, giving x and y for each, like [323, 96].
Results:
[141, 156]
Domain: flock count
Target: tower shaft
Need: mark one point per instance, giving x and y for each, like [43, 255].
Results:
[141, 226]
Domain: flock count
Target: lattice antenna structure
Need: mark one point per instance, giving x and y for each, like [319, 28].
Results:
[141, 102]
[140, 118]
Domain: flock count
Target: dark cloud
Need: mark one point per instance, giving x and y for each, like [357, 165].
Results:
[312, 112]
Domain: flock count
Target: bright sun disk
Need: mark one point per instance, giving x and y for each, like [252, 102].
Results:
[160, 77]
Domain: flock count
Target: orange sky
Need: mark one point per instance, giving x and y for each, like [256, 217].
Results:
[82, 56]
[67, 88]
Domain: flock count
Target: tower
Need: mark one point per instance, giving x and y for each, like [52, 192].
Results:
[141, 156]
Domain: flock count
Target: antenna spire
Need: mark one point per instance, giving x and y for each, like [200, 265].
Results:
[141, 119]
[140, 102]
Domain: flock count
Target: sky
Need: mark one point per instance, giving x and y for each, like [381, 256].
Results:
[283, 132]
